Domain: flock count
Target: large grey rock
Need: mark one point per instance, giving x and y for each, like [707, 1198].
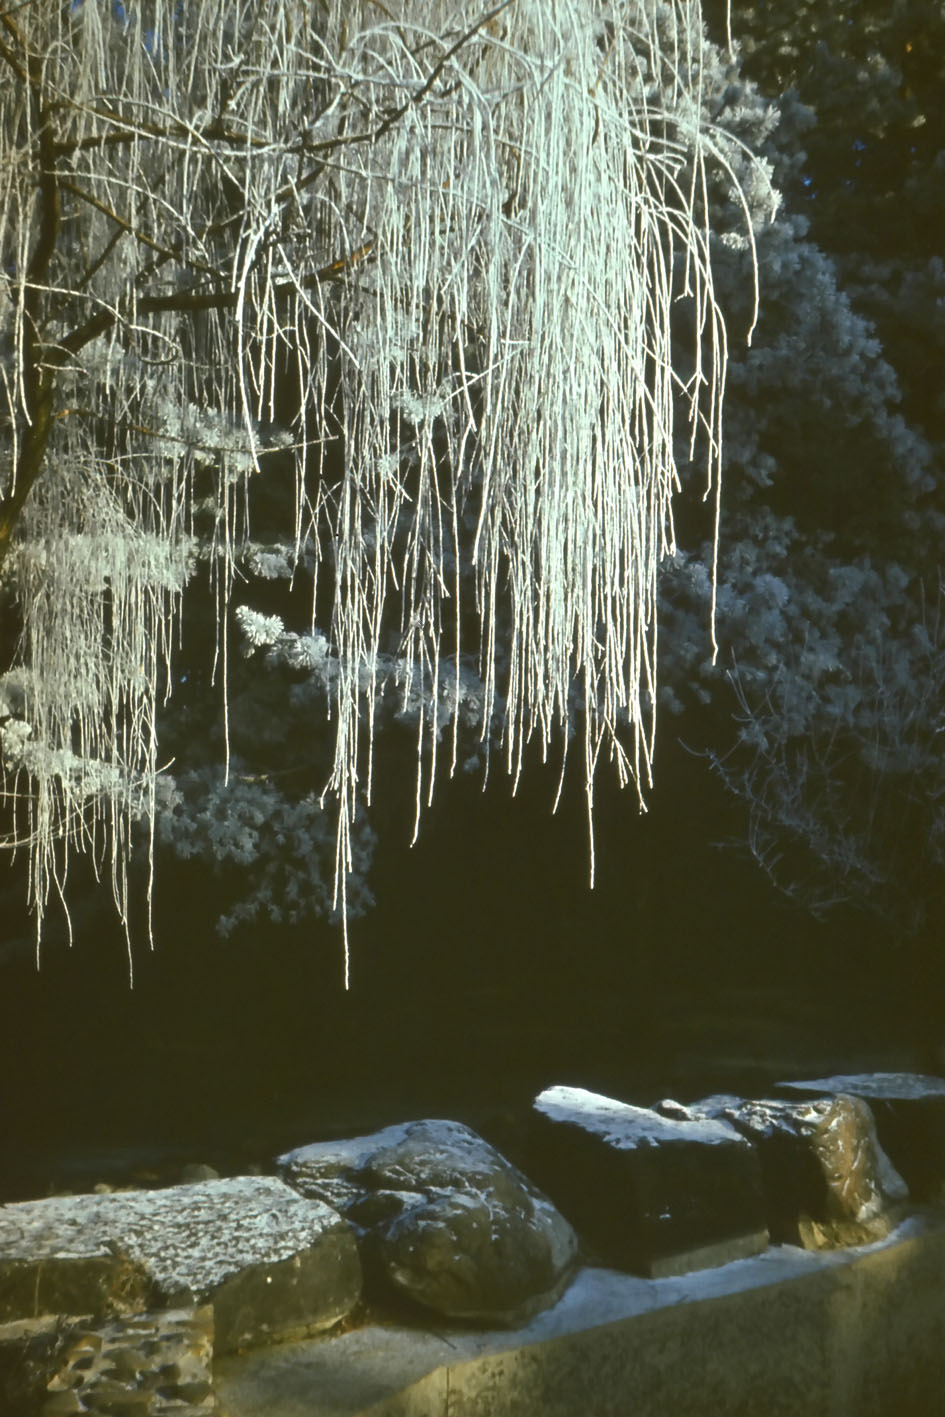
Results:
[273, 1264]
[443, 1218]
[653, 1194]
[910, 1120]
[827, 1180]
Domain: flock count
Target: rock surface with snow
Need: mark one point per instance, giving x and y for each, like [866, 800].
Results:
[653, 1194]
[827, 1180]
[910, 1120]
[443, 1218]
[271, 1263]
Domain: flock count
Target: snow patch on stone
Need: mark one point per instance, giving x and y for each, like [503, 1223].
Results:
[892, 1087]
[187, 1237]
[621, 1125]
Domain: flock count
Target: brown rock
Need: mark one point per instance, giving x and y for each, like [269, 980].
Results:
[827, 1180]
[909, 1109]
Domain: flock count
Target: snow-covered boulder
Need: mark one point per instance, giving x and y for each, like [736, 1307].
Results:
[654, 1194]
[827, 1180]
[272, 1264]
[444, 1219]
[910, 1120]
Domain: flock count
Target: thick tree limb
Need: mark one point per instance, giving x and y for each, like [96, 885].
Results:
[37, 385]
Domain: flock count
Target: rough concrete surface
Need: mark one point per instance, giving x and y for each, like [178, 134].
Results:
[785, 1334]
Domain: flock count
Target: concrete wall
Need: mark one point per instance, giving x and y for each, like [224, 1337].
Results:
[855, 1334]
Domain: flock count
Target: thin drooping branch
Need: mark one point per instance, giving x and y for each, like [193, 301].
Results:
[467, 232]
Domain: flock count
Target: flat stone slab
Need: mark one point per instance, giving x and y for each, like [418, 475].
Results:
[881, 1087]
[654, 1194]
[272, 1263]
[852, 1333]
[910, 1120]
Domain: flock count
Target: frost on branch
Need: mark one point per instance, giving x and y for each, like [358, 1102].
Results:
[463, 235]
[257, 630]
[529, 221]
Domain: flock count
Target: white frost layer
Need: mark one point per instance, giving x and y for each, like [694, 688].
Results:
[892, 1087]
[622, 1125]
[186, 1237]
[354, 1153]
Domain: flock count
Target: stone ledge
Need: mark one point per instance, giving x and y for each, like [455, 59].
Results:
[856, 1333]
[272, 1264]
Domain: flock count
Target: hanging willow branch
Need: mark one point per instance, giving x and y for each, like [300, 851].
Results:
[470, 233]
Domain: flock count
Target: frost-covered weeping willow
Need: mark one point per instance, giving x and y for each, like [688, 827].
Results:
[467, 230]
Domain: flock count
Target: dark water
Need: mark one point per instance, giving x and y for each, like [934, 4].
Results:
[487, 972]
